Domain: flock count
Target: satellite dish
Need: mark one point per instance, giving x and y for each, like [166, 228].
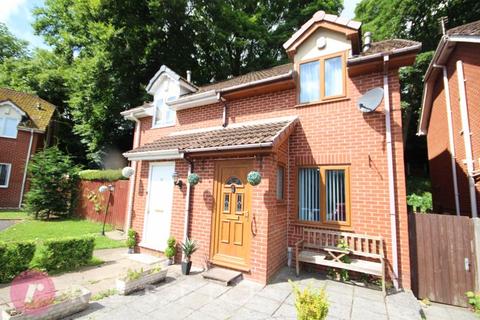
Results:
[370, 101]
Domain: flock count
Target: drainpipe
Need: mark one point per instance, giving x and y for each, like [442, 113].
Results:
[391, 176]
[450, 137]
[466, 137]
[225, 111]
[131, 191]
[187, 203]
[24, 180]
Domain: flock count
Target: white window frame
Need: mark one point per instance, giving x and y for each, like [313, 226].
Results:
[3, 121]
[164, 122]
[7, 180]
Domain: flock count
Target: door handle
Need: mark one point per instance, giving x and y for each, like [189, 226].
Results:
[246, 214]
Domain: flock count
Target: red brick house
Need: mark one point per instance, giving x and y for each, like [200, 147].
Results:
[24, 120]
[451, 120]
[323, 162]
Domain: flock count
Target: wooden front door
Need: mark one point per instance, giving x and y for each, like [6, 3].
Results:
[231, 232]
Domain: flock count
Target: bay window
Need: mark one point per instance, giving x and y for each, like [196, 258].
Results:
[322, 79]
[324, 195]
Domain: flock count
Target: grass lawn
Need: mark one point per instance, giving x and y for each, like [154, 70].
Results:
[9, 215]
[43, 230]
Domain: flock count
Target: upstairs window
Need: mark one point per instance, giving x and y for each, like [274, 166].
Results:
[5, 169]
[8, 127]
[164, 116]
[324, 195]
[322, 79]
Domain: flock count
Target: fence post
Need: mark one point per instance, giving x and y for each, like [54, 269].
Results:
[476, 231]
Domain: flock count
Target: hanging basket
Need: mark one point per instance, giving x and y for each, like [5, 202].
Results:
[193, 179]
[254, 178]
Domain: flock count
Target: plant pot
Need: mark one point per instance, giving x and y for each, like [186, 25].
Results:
[186, 266]
[57, 310]
[125, 286]
[131, 250]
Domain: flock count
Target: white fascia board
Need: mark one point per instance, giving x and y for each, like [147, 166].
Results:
[13, 105]
[257, 82]
[233, 147]
[381, 54]
[137, 113]
[154, 155]
[22, 128]
[194, 100]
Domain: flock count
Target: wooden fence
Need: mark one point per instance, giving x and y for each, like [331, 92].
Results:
[116, 209]
[442, 257]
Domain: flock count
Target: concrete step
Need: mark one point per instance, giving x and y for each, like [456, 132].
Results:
[222, 275]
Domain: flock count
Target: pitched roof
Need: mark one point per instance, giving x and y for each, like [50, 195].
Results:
[241, 135]
[280, 70]
[469, 29]
[38, 110]
[389, 45]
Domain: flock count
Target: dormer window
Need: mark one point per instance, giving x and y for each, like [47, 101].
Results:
[164, 116]
[10, 117]
[322, 79]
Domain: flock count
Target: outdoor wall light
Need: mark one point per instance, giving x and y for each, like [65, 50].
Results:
[127, 172]
[176, 180]
[103, 189]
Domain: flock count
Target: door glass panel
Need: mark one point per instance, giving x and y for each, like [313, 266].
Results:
[226, 203]
[239, 202]
[233, 180]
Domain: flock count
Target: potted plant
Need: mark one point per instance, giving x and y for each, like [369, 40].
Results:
[188, 248]
[171, 250]
[131, 240]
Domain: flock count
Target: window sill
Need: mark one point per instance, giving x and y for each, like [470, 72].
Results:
[8, 137]
[3, 187]
[322, 225]
[309, 104]
[163, 126]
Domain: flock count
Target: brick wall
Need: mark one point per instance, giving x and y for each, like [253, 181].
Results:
[437, 139]
[328, 133]
[14, 151]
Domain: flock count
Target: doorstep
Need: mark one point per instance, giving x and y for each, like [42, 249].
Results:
[222, 275]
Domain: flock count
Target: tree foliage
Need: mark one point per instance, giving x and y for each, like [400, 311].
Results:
[10, 46]
[53, 184]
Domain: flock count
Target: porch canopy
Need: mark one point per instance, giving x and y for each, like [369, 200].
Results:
[263, 134]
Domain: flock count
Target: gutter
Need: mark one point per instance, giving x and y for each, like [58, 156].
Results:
[257, 82]
[154, 155]
[361, 59]
[467, 138]
[391, 174]
[450, 137]
[24, 179]
[234, 147]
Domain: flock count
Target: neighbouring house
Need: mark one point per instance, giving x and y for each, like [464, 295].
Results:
[24, 122]
[324, 163]
[451, 120]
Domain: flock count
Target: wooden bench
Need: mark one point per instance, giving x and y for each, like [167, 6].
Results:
[320, 247]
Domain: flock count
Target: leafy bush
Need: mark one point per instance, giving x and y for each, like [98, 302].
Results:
[310, 304]
[171, 249]
[132, 238]
[419, 195]
[53, 184]
[15, 258]
[474, 301]
[104, 175]
[67, 253]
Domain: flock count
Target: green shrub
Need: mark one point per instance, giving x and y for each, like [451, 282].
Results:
[132, 239]
[104, 175]
[171, 249]
[474, 301]
[422, 203]
[310, 304]
[53, 184]
[66, 254]
[15, 258]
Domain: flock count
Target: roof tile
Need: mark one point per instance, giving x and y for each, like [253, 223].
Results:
[469, 29]
[38, 110]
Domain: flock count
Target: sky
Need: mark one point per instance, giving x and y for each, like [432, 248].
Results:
[17, 15]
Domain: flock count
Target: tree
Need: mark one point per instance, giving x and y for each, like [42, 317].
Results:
[11, 46]
[419, 21]
[53, 184]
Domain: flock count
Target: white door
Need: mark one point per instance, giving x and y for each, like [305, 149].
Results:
[159, 209]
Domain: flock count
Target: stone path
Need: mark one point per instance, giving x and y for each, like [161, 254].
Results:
[439, 311]
[4, 224]
[192, 297]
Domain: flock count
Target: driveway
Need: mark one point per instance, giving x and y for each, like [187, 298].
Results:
[192, 297]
